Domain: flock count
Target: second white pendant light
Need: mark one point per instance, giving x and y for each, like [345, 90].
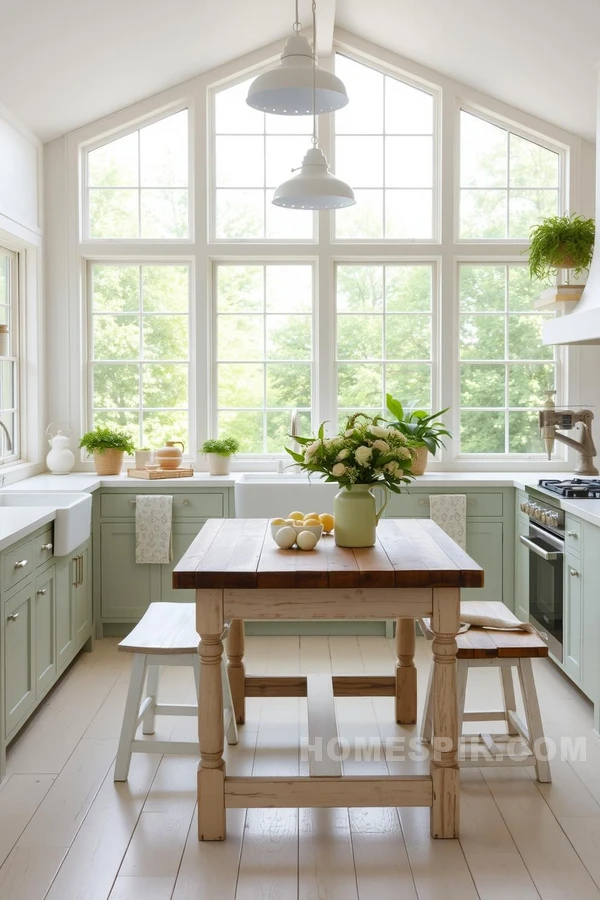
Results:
[288, 89]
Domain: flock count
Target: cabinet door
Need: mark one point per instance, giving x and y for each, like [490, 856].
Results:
[183, 535]
[127, 588]
[521, 570]
[572, 618]
[44, 631]
[19, 676]
[81, 602]
[484, 545]
[590, 590]
[65, 619]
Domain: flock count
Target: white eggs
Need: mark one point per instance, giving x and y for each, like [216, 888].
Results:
[285, 537]
[307, 540]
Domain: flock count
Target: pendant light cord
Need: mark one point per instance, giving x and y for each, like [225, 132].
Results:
[314, 72]
[297, 24]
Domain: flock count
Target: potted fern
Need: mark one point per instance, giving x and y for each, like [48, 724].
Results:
[557, 243]
[107, 447]
[426, 430]
[219, 453]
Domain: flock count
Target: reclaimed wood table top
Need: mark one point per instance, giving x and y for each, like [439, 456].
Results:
[240, 554]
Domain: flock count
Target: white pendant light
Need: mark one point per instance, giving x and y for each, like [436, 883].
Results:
[314, 187]
[288, 89]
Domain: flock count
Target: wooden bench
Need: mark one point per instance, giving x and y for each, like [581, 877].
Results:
[524, 741]
[165, 636]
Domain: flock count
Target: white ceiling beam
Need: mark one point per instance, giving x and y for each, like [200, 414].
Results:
[325, 26]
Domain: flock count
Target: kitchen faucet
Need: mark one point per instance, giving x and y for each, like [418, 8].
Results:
[9, 445]
[552, 419]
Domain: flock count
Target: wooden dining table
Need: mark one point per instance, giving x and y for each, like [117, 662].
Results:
[414, 570]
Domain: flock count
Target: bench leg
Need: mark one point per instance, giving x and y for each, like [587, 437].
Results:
[130, 717]
[534, 720]
[508, 695]
[231, 732]
[148, 721]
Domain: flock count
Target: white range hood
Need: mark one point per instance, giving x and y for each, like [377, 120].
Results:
[582, 326]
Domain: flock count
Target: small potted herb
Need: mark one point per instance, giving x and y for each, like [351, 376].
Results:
[219, 453]
[426, 430]
[107, 447]
[561, 242]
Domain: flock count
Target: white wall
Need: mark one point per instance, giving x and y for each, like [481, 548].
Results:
[21, 230]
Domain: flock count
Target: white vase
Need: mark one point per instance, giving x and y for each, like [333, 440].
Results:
[141, 458]
[356, 515]
[218, 465]
[60, 460]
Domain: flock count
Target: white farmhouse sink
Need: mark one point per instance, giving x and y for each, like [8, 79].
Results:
[266, 494]
[73, 522]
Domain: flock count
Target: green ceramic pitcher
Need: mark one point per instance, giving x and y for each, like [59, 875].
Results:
[356, 515]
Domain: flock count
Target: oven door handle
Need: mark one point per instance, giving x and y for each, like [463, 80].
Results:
[549, 556]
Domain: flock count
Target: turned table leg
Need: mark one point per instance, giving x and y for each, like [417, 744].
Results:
[211, 770]
[406, 673]
[235, 668]
[445, 622]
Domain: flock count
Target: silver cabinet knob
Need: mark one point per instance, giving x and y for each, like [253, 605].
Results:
[572, 534]
[47, 546]
[574, 573]
[41, 593]
[20, 564]
[13, 617]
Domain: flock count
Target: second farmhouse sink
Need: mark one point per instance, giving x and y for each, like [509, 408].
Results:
[73, 522]
[267, 494]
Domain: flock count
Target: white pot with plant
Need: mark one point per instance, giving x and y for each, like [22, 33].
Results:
[218, 453]
[561, 243]
[108, 448]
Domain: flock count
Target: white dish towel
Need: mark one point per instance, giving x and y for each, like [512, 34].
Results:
[449, 511]
[153, 528]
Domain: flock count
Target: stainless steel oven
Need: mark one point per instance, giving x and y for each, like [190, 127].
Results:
[545, 543]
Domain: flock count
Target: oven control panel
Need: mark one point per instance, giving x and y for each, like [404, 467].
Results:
[546, 515]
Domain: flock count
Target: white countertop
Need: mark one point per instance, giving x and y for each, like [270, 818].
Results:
[17, 522]
[89, 482]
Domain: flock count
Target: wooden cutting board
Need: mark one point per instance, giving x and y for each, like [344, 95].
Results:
[157, 474]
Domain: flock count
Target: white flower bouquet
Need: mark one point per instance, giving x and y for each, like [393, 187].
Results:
[366, 453]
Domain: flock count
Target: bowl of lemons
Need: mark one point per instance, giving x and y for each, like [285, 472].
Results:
[301, 530]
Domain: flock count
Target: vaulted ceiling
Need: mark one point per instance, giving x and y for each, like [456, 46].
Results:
[68, 62]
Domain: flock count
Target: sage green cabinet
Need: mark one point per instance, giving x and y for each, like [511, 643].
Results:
[521, 561]
[81, 594]
[127, 588]
[484, 545]
[183, 535]
[573, 618]
[44, 631]
[19, 663]
[65, 618]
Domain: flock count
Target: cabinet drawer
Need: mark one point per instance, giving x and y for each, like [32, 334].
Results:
[18, 563]
[43, 548]
[413, 505]
[185, 506]
[572, 534]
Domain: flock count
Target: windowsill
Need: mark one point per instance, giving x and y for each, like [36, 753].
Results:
[18, 471]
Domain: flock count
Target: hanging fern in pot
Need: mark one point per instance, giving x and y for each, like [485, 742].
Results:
[561, 242]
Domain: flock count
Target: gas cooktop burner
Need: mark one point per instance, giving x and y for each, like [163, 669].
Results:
[578, 488]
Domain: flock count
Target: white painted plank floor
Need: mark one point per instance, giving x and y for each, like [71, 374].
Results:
[67, 832]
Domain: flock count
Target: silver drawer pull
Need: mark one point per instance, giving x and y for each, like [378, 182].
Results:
[41, 592]
[572, 534]
[13, 617]
[574, 573]
[182, 502]
[47, 546]
[20, 564]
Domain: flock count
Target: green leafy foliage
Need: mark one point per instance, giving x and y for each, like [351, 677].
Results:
[101, 439]
[222, 447]
[425, 430]
[365, 453]
[561, 242]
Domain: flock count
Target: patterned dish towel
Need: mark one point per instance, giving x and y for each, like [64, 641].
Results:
[504, 622]
[449, 511]
[153, 532]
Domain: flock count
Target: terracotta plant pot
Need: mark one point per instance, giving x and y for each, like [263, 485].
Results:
[420, 461]
[218, 465]
[108, 462]
[562, 260]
